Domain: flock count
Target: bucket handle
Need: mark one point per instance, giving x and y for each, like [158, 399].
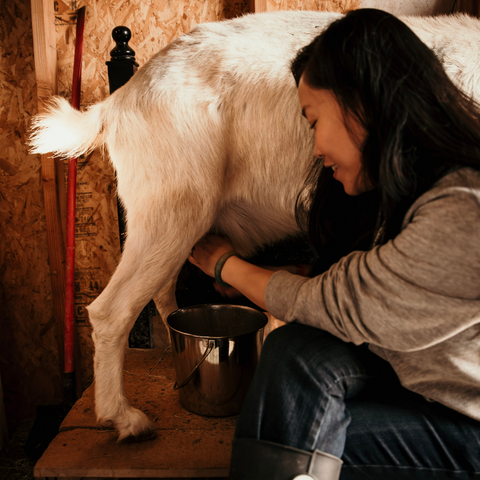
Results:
[211, 344]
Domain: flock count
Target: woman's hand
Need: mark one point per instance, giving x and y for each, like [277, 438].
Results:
[207, 251]
[244, 277]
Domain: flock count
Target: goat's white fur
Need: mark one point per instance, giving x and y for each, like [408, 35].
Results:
[207, 136]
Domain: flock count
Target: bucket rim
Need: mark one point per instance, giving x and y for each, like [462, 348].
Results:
[203, 305]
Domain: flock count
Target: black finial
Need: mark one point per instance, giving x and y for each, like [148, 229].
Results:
[122, 51]
[122, 64]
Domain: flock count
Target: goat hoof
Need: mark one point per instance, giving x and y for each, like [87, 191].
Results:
[135, 426]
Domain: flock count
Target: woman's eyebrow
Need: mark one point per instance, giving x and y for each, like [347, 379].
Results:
[303, 112]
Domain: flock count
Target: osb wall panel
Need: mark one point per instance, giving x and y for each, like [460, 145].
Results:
[341, 6]
[28, 350]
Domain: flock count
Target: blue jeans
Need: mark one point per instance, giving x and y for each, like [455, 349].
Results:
[310, 386]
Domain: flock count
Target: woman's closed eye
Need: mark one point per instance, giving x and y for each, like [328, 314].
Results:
[312, 126]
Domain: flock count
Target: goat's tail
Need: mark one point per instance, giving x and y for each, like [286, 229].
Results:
[65, 131]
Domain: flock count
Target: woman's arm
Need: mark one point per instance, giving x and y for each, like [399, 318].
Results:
[414, 292]
[297, 269]
[248, 279]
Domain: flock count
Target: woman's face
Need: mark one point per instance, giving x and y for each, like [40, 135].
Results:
[339, 146]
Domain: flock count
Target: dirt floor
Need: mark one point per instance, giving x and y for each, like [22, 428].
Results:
[14, 464]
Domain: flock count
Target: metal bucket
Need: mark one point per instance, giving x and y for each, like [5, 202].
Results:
[215, 352]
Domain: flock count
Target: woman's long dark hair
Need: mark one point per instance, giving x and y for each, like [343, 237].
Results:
[419, 126]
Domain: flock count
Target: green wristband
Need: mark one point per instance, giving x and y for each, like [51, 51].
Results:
[219, 265]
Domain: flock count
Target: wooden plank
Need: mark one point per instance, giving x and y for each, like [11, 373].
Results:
[257, 6]
[187, 445]
[174, 453]
[44, 44]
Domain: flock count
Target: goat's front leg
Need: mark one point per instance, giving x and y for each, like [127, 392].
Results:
[143, 271]
[112, 316]
[111, 405]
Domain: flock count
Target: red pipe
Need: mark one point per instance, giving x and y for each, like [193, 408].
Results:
[71, 199]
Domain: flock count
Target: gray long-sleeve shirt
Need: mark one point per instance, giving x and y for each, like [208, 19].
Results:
[415, 300]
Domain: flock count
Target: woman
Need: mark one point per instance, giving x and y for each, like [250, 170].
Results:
[379, 365]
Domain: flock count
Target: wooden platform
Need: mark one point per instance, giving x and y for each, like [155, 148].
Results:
[187, 445]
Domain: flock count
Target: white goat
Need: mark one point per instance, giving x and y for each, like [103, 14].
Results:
[207, 136]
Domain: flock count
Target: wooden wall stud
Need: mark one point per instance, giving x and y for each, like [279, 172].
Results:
[45, 52]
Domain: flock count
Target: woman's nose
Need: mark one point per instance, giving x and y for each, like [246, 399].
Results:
[317, 148]
[317, 151]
